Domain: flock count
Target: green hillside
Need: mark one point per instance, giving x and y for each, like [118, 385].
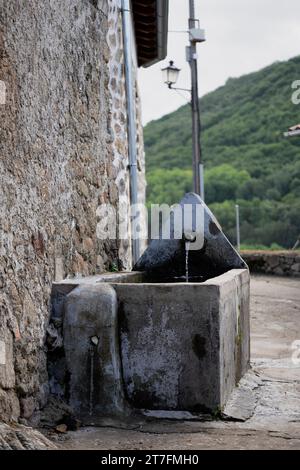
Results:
[247, 160]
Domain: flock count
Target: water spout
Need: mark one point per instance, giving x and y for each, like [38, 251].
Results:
[189, 238]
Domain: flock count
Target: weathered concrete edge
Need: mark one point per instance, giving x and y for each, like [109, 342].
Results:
[224, 279]
[62, 288]
[237, 291]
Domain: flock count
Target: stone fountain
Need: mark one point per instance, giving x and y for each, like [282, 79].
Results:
[145, 340]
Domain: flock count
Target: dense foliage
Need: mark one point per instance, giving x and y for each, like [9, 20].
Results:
[247, 159]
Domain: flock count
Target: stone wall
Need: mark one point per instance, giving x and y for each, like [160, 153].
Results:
[63, 151]
[282, 263]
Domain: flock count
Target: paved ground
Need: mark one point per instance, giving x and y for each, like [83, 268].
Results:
[271, 392]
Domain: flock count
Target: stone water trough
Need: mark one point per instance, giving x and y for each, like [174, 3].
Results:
[148, 340]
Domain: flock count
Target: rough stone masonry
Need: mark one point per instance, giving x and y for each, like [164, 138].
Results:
[63, 151]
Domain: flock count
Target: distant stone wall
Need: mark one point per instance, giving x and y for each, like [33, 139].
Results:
[282, 263]
[63, 151]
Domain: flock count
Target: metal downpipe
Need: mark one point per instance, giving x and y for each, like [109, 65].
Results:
[131, 118]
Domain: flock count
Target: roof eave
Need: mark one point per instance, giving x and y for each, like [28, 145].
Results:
[162, 32]
[151, 30]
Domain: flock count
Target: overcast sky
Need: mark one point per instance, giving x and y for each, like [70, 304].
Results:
[242, 36]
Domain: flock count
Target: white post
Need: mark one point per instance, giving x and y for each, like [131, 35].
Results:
[238, 234]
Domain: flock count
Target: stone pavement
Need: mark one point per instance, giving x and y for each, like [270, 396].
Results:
[266, 407]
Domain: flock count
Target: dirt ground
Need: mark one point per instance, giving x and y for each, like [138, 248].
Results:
[274, 399]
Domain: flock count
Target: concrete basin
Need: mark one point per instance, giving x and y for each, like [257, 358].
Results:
[167, 346]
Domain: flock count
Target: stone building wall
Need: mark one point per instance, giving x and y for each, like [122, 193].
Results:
[63, 151]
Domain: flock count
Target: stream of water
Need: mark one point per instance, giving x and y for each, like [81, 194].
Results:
[187, 248]
[91, 379]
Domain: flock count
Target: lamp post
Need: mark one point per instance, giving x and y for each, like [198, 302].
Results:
[192, 58]
[170, 74]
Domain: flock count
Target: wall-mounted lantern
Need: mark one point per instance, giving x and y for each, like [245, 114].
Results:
[170, 74]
